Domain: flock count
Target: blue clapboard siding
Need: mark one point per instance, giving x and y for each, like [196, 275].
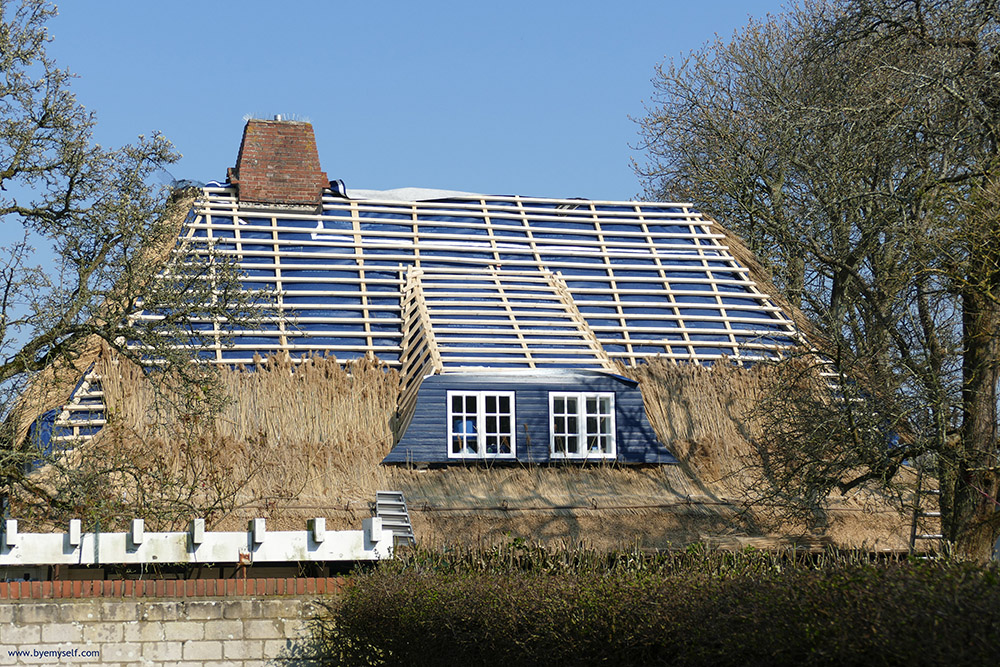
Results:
[426, 437]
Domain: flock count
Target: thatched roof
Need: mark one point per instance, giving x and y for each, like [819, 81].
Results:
[308, 443]
[53, 387]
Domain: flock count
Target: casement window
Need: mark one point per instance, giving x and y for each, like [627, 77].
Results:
[582, 425]
[481, 424]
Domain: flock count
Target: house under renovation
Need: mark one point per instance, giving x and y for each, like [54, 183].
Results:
[507, 316]
[520, 329]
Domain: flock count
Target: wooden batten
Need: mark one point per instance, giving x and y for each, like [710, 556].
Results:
[647, 279]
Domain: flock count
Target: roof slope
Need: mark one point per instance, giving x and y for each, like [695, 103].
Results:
[649, 279]
[638, 279]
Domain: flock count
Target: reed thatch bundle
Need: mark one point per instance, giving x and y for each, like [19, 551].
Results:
[294, 440]
[255, 439]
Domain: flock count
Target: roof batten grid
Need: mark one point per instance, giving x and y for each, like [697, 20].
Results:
[524, 263]
[405, 239]
[488, 223]
[279, 287]
[502, 321]
[763, 305]
[612, 283]
[590, 337]
[216, 330]
[724, 312]
[532, 245]
[416, 235]
[670, 293]
[419, 353]
[238, 246]
[356, 225]
[425, 318]
[513, 318]
[404, 236]
[715, 292]
[501, 232]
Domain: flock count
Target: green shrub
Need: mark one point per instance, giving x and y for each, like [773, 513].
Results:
[522, 605]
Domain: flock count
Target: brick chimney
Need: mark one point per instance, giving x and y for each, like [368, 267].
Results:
[278, 164]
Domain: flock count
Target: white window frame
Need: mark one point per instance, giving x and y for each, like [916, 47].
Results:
[582, 434]
[482, 423]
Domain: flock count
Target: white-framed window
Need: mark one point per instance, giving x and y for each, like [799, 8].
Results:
[582, 425]
[481, 424]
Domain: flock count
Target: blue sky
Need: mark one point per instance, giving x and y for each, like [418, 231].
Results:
[529, 98]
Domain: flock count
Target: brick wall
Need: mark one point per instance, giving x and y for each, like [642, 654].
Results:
[203, 622]
[278, 163]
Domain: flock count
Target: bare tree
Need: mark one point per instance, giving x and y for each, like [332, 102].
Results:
[107, 252]
[854, 144]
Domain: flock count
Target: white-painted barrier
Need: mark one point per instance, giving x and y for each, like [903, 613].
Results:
[195, 545]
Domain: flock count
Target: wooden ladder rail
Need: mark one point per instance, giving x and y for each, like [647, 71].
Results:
[918, 530]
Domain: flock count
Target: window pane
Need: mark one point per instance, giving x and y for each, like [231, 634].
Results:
[481, 424]
[582, 425]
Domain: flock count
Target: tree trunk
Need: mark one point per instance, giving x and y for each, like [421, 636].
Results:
[969, 496]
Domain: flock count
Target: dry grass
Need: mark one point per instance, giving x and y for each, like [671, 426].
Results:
[706, 417]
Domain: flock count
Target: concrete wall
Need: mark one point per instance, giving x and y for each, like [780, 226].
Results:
[222, 622]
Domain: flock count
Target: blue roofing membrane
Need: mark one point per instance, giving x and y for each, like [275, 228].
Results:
[649, 278]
